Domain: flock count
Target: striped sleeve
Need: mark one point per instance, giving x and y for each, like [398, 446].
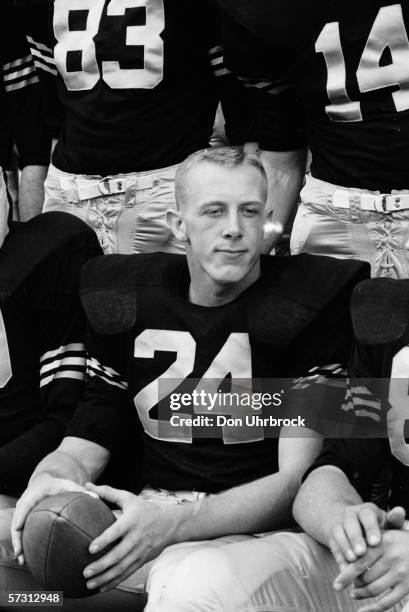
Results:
[68, 361]
[21, 93]
[105, 373]
[42, 55]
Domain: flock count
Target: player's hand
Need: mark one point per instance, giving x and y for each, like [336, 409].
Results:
[361, 526]
[383, 570]
[40, 487]
[272, 234]
[141, 532]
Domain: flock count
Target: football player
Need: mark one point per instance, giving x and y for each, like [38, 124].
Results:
[170, 324]
[21, 114]
[354, 554]
[333, 76]
[139, 83]
[42, 327]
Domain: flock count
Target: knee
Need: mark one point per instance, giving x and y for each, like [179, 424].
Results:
[204, 581]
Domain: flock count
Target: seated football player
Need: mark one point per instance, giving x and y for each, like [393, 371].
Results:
[174, 329]
[354, 554]
[42, 329]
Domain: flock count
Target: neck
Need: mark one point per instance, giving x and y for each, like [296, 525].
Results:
[213, 294]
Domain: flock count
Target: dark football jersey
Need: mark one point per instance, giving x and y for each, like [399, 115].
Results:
[42, 353]
[35, 19]
[149, 343]
[21, 116]
[377, 398]
[139, 81]
[341, 69]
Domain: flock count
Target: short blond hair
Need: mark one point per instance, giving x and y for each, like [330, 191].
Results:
[229, 157]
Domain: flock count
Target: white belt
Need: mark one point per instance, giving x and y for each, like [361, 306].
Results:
[95, 188]
[383, 203]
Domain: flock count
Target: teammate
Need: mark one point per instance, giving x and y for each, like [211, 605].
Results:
[365, 565]
[42, 327]
[171, 326]
[334, 77]
[139, 84]
[21, 116]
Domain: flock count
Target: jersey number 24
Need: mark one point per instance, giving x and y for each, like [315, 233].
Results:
[78, 43]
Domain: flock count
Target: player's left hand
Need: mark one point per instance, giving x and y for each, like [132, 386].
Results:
[383, 570]
[272, 234]
[141, 532]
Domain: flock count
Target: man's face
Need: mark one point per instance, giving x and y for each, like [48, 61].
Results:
[223, 220]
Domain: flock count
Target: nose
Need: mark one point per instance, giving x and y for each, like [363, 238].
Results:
[232, 228]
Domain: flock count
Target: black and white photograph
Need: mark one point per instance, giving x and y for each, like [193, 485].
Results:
[204, 305]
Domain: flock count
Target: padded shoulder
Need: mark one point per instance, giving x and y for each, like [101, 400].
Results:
[295, 290]
[110, 285]
[380, 310]
[29, 244]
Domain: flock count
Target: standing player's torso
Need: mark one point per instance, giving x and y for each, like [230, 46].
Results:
[353, 78]
[135, 81]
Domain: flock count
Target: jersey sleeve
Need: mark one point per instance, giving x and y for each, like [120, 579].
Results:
[105, 412]
[274, 113]
[56, 313]
[21, 96]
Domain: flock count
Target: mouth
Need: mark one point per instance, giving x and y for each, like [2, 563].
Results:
[232, 252]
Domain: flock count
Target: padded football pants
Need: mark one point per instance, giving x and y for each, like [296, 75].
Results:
[320, 228]
[127, 211]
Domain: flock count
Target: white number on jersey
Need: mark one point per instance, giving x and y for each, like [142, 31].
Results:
[5, 364]
[398, 413]
[81, 46]
[388, 31]
[234, 358]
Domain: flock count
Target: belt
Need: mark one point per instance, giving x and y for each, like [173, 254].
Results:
[95, 188]
[383, 202]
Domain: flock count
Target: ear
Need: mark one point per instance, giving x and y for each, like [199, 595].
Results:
[176, 223]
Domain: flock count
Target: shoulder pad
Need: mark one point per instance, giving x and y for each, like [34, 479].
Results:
[29, 244]
[110, 284]
[380, 310]
[295, 290]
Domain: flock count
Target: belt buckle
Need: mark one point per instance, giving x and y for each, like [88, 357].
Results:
[383, 197]
[107, 185]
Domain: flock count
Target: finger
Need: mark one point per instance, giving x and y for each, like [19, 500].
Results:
[370, 520]
[113, 533]
[337, 554]
[112, 557]
[375, 588]
[339, 536]
[353, 570]
[395, 518]
[112, 573]
[353, 531]
[387, 601]
[109, 494]
[131, 570]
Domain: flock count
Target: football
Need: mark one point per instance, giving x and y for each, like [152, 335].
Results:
[56, 537]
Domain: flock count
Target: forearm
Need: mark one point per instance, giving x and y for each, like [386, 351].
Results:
[285, 171]
[261, 505]
[321, 502]
[31, 191]
[75, 459]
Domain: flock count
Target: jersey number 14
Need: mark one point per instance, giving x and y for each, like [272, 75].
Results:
[388, 31]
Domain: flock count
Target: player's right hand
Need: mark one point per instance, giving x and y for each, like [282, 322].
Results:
[40, 486]
[361, 526]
